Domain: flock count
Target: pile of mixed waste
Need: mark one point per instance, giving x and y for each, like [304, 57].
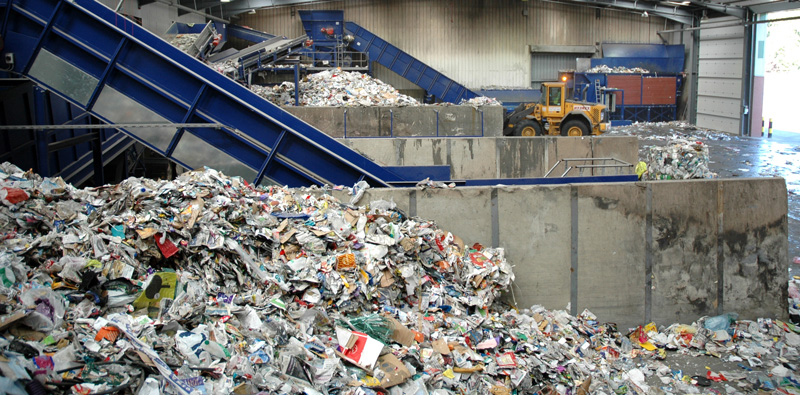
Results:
[337, 88]
[603, 69]
[678, 160]
[672, 150]
[208, 285]
[185, 41]
[481, 101]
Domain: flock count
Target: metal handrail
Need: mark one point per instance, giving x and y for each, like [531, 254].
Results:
[618, 164]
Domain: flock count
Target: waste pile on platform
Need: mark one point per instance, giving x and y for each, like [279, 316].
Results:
[206, 284]
[603, 69]
[337, 88]
[481, 101]
[678, 160]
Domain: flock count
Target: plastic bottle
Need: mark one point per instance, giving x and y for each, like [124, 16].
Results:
[216, 350]
[150, 387]
[626, 347]
[139, 190]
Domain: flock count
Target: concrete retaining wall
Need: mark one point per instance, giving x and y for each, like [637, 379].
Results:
[669, 251]
[498, 157]
[424, 121]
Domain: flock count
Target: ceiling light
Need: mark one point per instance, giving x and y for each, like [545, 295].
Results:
[225, 1]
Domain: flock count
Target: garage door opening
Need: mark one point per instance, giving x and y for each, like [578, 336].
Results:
[781, 73]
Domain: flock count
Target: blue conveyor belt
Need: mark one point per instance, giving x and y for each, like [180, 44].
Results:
[123, 74]
[393, 58]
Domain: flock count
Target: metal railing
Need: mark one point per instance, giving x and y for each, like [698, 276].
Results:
[616, 164]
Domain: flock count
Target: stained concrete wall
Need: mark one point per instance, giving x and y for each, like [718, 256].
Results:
[424, 121]
[667, 251]
[499, 157]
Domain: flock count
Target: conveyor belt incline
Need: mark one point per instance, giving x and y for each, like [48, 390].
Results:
[395, 59]
[123, 74]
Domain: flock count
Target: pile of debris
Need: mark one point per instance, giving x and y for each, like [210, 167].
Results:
[207, 284]
[678, 160]
[338, 88]
[603, 69]
[480, 101]
[668, 131]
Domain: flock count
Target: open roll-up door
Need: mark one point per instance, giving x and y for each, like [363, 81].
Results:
[720, 75]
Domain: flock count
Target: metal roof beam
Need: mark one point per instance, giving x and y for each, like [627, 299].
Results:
[774, 7]
[673, 13]
[240, 6]
[732, 10]
[192, 10]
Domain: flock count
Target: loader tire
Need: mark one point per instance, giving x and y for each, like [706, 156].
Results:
[528, 128]
[574, 128]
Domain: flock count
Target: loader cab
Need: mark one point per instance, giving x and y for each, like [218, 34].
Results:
[552, 99]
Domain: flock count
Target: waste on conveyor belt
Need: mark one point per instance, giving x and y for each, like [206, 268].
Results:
[603, 69]
[206, 284]
[329, 88]
[184, 41]
[229, 68]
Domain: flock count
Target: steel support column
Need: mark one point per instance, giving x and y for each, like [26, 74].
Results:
[97, 158]
[40, 108]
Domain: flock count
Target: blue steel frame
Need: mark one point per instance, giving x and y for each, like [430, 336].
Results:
[650, 113]
[408, 67]
[76, 163]
[263, 60]
[278, 146]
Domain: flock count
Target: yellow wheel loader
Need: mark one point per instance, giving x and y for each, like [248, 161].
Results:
[554, 115]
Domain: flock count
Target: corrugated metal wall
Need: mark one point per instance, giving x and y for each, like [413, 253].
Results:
[475, 42]
[156, 17]
[720, 71]
[545, 66]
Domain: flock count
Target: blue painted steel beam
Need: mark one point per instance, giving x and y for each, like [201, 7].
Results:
[43, 34]
[270, 157]
[189, 114]
[106, 72]
[388, 55]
